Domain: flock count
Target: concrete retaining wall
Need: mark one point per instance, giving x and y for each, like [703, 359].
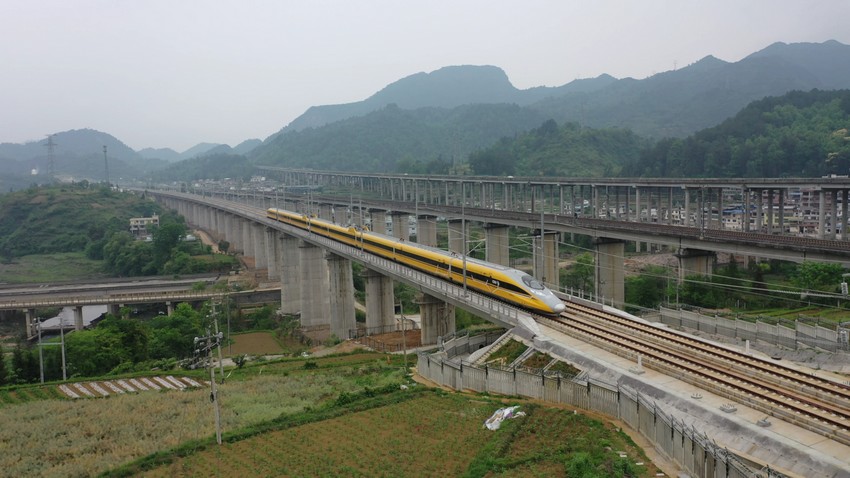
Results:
[802, 333]
[684, 445]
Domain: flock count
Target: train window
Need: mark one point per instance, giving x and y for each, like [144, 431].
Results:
[532, 282]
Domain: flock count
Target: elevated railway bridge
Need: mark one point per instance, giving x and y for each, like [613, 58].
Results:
[686, 216]
[316, 281]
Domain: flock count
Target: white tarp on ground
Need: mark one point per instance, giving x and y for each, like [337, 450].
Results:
[495, 420]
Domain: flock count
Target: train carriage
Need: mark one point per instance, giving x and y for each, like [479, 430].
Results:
[500, 282]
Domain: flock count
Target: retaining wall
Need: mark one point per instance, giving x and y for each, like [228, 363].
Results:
[802, 333]
[684, 445]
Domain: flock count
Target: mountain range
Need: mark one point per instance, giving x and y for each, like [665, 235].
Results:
[669, 104]
[449, 113]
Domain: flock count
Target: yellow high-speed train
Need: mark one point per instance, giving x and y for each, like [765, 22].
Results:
[494, 280]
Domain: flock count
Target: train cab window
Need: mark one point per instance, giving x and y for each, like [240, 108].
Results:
[532, 282]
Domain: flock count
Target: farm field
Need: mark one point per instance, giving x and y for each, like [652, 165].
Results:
[41, 435]
[253, 343]
[434, 434]
[320, 416]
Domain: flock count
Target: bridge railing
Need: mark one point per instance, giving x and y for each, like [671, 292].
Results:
[112, 299]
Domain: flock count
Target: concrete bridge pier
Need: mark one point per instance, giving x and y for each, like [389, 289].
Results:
[379, 301]
[546, 259]
[315, 308]
[78, 317]
[258, 234]
[457, 236]
[247, 242]
[358, 216]
[379, 221]
[435, 314]
[426, 230]
[290, 274]
[401, 225]
[496, 244]
[272, 254]
[610, 281]
[113, 310]
[169, 307]
[341, 296]
[437, 318]
[30, 324]
[326, 212]
[695, 262]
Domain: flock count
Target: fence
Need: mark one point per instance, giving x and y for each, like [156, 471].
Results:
[682, 443]
[777, 334]
[383, 329]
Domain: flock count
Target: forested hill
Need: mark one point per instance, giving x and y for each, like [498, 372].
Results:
[568, 151]
[448, 87]
[381, 139]
[426, 117]
[212, 166]
[800, 134]
[683, 101]
[65, 218]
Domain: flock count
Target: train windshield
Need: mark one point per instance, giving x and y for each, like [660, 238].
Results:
[532, 282]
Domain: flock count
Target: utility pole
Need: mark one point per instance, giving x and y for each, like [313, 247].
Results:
[62, 341]
[40, 351]
[204, 347]
[106, 164]
[51, 157]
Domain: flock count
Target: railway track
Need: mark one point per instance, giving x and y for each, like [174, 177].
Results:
[813, 403]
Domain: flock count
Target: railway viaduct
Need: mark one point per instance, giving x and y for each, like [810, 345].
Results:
[789, 219]
[303, 268]
[316, 275]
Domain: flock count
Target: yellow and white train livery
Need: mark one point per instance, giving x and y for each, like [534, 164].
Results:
[500, 282]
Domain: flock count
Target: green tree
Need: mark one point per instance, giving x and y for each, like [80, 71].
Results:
[174, 335]
[580, 275]
[24, 365]
[166, 237]
[817, 276]
[647, 289]
[3, 372]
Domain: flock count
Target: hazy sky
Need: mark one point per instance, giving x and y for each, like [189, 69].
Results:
[173, 73]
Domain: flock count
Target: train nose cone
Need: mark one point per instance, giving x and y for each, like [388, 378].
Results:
[559, 307]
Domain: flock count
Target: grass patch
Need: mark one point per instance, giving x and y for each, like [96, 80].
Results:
[565, 369]
[254, 343]
[507, 353]
[537, 360]
[557, 442]
[57, 267]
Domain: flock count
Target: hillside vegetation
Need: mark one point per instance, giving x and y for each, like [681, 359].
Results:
[378, 140]
[95, 220]
[456, 111]
[212, 166]
[65, 218]
[553, 150]
[798, 134]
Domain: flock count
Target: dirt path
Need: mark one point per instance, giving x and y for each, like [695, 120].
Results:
[206, 239]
